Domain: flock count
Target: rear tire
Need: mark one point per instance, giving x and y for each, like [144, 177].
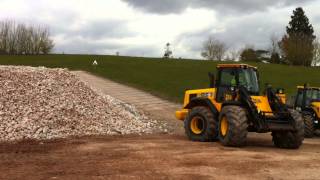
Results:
[290, 139]
[200, 125]
[233, 126]
[308, 126]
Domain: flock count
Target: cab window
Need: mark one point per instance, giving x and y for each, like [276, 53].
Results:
[309, 95]
[228, 77]
[248, 78]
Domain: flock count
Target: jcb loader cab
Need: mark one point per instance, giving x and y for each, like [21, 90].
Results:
[232, 107]
[307, 102]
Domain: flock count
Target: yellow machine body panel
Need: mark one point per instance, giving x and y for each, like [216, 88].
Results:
[197, 93]
[262, 104]
[282, 98]
[181, 114]
[316, 107]
[209, 92]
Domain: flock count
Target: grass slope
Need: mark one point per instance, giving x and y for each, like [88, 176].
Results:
[165, 78]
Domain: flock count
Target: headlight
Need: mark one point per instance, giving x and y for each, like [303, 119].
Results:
[228, 97]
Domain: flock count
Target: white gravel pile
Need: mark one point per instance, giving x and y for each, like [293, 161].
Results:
[42, 103]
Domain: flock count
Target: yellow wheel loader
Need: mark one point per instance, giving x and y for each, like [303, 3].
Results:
[232, 107]
[307, 102]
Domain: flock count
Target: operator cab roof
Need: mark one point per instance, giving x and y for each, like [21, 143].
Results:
[235, 66]
[308, 87]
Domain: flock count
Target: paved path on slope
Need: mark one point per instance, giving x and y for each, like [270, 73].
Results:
[153, 106]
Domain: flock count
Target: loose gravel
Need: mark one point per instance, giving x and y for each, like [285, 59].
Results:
[42, 103]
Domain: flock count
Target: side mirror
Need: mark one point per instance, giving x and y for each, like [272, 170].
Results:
[211, 80]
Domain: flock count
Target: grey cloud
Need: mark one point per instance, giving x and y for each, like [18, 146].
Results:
[82, 46]
[161, 7]
[141, 51]
[98, 36]
[104, 29]
[236, 35]
[221, 6]
[96, 30]
[316, 20]
[193, 41]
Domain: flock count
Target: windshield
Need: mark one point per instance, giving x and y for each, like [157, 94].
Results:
[313, 95]
[248, 78]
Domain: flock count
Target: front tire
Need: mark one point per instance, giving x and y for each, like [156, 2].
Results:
[233, 126]
[290, 139]
[308, 126]
[200, 125]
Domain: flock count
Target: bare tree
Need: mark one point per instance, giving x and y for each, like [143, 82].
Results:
[46, 44]
[12, 37]
[21, 39]
[4, 31]
[29, 42]
[17, 38]
[274, 49]
[316, 53]
[234, 54]
[274, 44]
[213, 49]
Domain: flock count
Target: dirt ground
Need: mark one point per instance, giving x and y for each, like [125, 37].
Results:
[160, 156]
[156, 156]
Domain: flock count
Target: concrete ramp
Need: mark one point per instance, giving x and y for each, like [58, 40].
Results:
[153, 106]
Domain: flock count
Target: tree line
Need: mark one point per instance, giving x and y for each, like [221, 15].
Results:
[21, 39]
[298, 46]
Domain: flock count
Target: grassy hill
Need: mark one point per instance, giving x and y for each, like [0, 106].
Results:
[165, 78]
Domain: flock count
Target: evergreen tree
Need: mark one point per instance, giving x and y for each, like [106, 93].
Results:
[275, 58]
[297, 44]
[249, 54]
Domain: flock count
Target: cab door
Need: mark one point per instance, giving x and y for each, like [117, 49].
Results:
[227, 78]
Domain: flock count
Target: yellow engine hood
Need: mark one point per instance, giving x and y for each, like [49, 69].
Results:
[315, 104]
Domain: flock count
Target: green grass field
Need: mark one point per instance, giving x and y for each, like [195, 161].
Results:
[165, 78]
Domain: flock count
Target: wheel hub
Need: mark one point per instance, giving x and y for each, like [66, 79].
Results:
[197, 125]
[224, 126]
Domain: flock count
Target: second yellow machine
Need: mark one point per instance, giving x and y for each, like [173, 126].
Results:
[232, 107]
[307, 102]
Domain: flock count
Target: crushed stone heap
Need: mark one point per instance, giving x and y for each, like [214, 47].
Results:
[43, 103]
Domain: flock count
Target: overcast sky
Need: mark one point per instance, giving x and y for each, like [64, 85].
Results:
[143, 27]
